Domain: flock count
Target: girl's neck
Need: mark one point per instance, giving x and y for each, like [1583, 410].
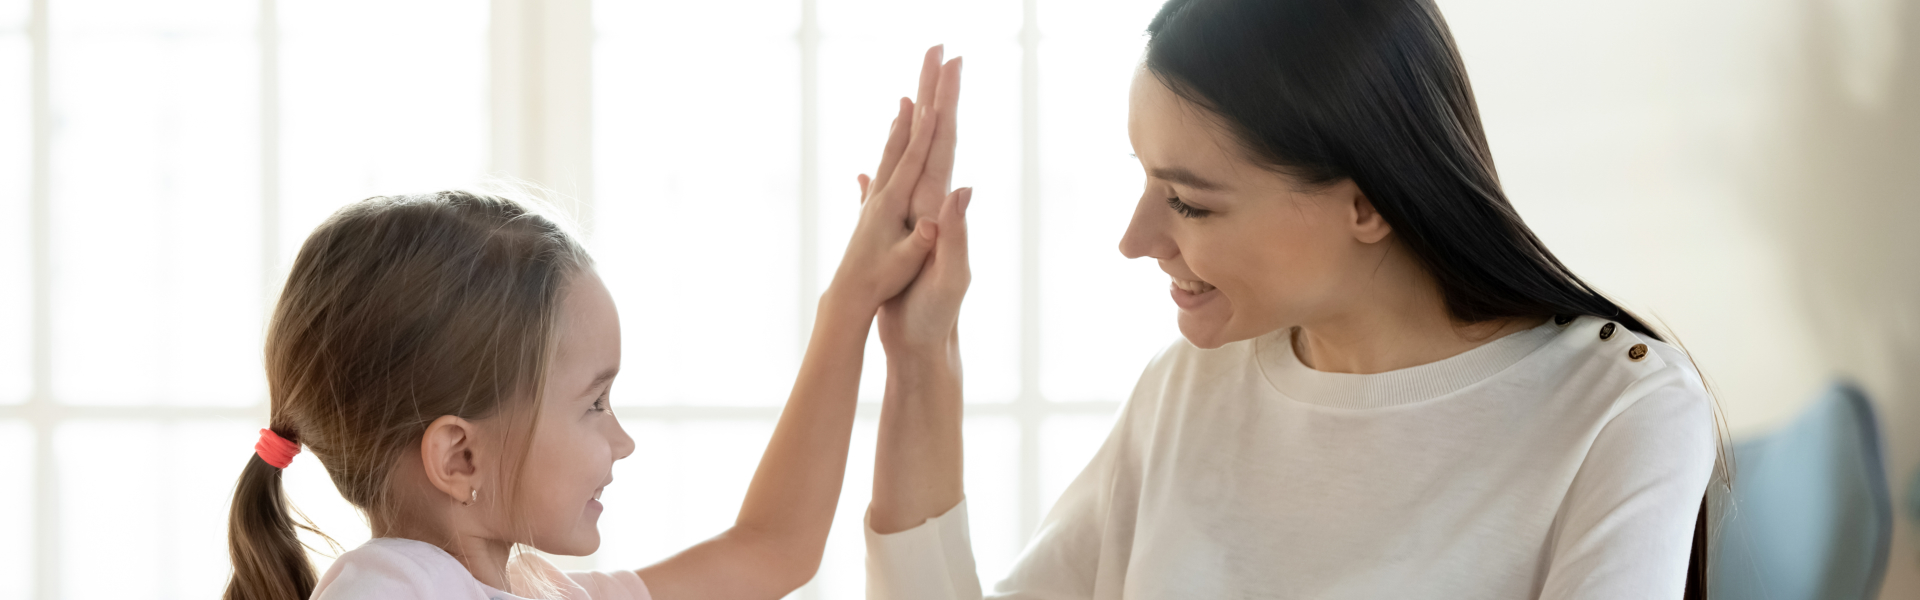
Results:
[1396, 319]
[485, 558]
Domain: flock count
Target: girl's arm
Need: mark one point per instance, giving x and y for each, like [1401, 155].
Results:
[776, 543]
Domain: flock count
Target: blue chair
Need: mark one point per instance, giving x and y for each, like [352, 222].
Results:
[1810, 517]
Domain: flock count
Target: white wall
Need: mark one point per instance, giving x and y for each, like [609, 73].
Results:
[1745, 171]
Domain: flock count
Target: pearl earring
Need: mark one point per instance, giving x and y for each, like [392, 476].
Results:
[472, 497]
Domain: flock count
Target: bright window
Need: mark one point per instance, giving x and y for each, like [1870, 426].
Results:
[173, 156]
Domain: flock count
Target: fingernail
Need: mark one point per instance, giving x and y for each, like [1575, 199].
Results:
[966, 199]
[927, 229]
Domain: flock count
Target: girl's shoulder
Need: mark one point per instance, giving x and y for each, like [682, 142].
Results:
[397, 568]
[402, 568]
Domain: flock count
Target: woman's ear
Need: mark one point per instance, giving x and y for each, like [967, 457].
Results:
[448, 452]
[1368, 226]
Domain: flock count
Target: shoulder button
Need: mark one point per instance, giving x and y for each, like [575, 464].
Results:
[1606, 332]
[1637, 352]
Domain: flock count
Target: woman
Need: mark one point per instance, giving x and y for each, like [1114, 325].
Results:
[1388, 386]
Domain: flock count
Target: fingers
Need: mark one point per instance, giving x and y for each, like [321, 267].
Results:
[951, 249]
[913, 161]
[932, 188]
[930, 75]
[914, 248]
[897, 137]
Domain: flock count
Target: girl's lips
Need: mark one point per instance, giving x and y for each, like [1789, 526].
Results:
[595, 507]
[1189, 300]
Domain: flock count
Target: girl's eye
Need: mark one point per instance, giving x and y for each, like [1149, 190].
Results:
[1187, 210]
[600, 404]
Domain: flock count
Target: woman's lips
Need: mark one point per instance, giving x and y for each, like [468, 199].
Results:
[1193, 294]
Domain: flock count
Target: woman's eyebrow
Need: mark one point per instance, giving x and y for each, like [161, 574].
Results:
[1184, 177]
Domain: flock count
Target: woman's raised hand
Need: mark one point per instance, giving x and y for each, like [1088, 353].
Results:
[926, 313]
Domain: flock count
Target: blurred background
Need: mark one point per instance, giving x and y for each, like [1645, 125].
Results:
[1746, 171]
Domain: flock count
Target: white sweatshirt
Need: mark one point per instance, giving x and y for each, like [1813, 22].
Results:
[1550, 463]
[403, 569]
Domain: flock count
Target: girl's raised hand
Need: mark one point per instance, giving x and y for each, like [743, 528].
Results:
[889, 245]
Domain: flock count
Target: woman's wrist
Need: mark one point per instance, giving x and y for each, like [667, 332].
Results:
[912, 360]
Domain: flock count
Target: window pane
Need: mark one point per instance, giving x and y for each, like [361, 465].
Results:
[697, 197]
[377, 97]
[311, 491]
[1102, 317]
[13, 15]
[865, 67]
[682, 485]
[156, 519]
[155, 232]
[16, 510]
[993, 505]
[16, 135]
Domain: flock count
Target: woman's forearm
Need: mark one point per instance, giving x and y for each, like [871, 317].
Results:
[918, 462]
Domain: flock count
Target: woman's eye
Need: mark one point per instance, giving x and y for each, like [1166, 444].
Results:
[600, 404]
[1187, 210]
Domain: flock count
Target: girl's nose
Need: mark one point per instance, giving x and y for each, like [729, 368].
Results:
[622, 443]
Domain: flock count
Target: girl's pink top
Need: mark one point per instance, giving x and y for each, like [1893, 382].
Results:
[397, 568]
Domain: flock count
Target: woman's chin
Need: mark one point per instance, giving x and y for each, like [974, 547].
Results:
[1206, 333]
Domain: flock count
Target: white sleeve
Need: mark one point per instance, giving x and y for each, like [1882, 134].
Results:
[932, 561]
[1626, 528]
[1066, 560]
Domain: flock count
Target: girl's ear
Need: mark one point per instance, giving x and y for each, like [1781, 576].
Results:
[447, 451]
[1368, 226]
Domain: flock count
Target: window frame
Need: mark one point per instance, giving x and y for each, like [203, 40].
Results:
[541, 118]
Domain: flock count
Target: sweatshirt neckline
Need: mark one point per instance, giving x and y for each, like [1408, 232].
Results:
[1295, 380]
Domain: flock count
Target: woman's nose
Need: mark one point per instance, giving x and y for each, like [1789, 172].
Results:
[1146, 234]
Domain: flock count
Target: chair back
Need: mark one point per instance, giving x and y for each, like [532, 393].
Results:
[1810, 516]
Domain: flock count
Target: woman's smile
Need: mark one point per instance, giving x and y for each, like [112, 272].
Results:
[1192, 294]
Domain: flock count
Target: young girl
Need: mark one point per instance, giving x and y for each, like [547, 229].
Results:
[448, 358]
[1388, 386]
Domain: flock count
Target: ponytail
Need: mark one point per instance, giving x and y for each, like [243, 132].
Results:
[269, 562]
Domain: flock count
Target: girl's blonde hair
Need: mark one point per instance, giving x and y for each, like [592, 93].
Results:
[398, 310]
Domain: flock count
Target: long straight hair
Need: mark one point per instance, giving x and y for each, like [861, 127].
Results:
[1375, 91]
[398, 310]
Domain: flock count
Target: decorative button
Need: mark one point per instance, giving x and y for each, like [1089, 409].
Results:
[1562, 319]
[1606, 332]
[1637, 352]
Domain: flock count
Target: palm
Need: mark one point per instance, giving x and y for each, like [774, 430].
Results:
[926, 313]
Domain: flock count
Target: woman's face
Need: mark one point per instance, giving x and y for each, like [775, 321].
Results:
[1249, 250]
[577, 438]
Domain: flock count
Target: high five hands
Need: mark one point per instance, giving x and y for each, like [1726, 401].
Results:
[924, 317]
[909, 225]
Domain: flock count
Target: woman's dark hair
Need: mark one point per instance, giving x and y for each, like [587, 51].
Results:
[1374, 91]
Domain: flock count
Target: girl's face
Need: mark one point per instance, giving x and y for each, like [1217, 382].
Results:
[1249, 250]
[577, 438]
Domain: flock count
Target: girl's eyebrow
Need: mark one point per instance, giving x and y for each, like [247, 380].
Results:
[603, 377]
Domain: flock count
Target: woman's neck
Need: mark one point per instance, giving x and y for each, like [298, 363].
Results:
[1395, 320]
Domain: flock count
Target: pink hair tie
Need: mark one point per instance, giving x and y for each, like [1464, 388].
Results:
[276, 450]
